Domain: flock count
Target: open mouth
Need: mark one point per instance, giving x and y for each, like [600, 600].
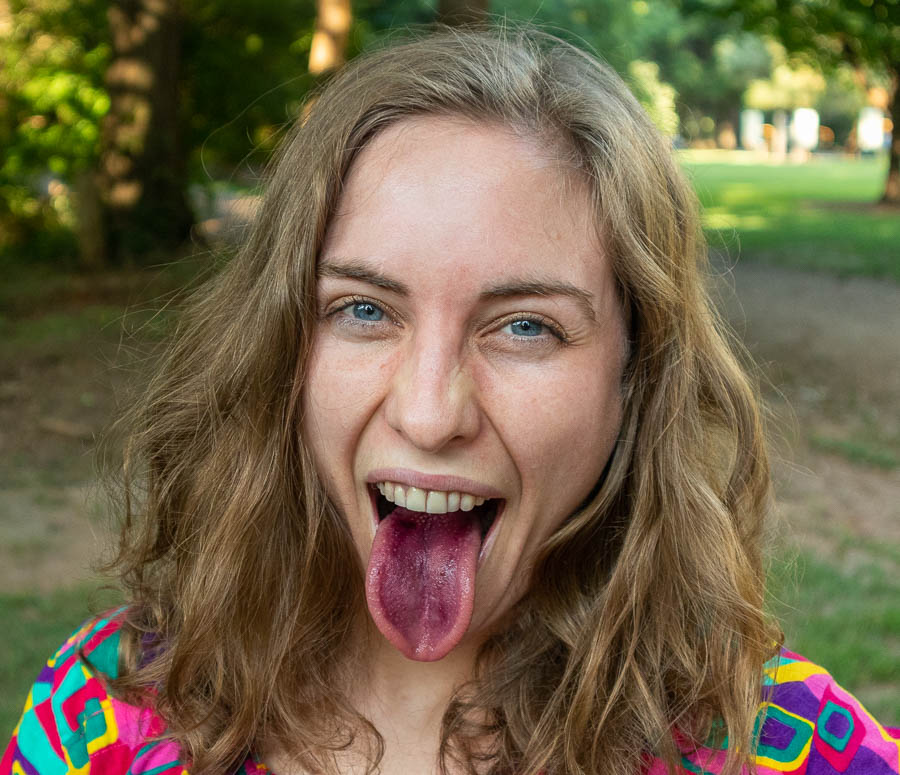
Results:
[422, 567]
[424, 504]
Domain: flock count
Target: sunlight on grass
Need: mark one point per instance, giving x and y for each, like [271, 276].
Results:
[720, 221]
[821, 215]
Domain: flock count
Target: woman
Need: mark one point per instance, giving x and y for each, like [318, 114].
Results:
[451, 468]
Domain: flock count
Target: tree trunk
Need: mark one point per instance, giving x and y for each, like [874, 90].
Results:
[892, 184]
[329, 44]
[459, 13]
[92, 242]
[142, 176]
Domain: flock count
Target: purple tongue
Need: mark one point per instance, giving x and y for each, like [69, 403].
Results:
[420, 583]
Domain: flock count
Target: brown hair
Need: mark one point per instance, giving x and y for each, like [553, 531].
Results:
[646, 629]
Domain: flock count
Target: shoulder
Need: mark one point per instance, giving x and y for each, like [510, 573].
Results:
[72, 724]
[808, 725]
[809, 719]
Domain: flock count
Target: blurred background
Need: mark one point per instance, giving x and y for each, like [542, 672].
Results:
[133, 135]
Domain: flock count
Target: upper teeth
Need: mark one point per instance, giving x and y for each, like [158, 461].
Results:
[429, 501]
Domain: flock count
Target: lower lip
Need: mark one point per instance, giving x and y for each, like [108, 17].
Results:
[486, 544]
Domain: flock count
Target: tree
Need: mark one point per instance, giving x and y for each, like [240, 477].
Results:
[708, 60]
[790, 85]
[142, 176]
[84, 122]
[862, 33]
[53, 55]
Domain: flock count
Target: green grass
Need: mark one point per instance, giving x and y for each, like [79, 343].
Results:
[856, 451]
[843, 614]
[62, 327]
[865, 435]
[30, 288]
[53, 332]
[820, 215]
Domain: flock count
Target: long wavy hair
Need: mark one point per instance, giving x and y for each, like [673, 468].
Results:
[643, 630]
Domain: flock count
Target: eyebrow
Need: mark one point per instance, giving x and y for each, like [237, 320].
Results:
[582, 298]
[359, 270]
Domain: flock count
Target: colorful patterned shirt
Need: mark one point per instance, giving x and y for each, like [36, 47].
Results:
[71, 724]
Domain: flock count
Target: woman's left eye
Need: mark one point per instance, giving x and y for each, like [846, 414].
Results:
[536, 329]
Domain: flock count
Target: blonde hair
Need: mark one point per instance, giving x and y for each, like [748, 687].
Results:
[646, 628]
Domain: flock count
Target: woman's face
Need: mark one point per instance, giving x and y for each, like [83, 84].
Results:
[469, 345]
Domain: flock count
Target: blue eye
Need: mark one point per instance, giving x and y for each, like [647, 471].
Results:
[365, 310]
[526, 328]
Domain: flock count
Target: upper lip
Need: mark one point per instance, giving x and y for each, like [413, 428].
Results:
[445, 483]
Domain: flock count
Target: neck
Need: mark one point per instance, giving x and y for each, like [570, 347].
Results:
[404, 698]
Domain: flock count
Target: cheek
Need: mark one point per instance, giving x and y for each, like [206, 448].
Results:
[345, 387]
[337, 400]
[563, 433]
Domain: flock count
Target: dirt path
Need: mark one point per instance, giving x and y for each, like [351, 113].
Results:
[829, 349]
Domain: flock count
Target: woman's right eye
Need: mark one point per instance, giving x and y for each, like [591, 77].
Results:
[360, 315]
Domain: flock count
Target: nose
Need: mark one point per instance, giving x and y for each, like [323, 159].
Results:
[432, 401]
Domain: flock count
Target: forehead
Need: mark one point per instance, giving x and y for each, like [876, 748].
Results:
[463, 197]
[458, 155]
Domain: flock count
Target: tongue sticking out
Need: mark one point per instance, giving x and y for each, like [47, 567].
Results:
[420, 583]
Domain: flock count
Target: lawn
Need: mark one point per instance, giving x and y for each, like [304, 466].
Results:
[819, 215]
[842, 613]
